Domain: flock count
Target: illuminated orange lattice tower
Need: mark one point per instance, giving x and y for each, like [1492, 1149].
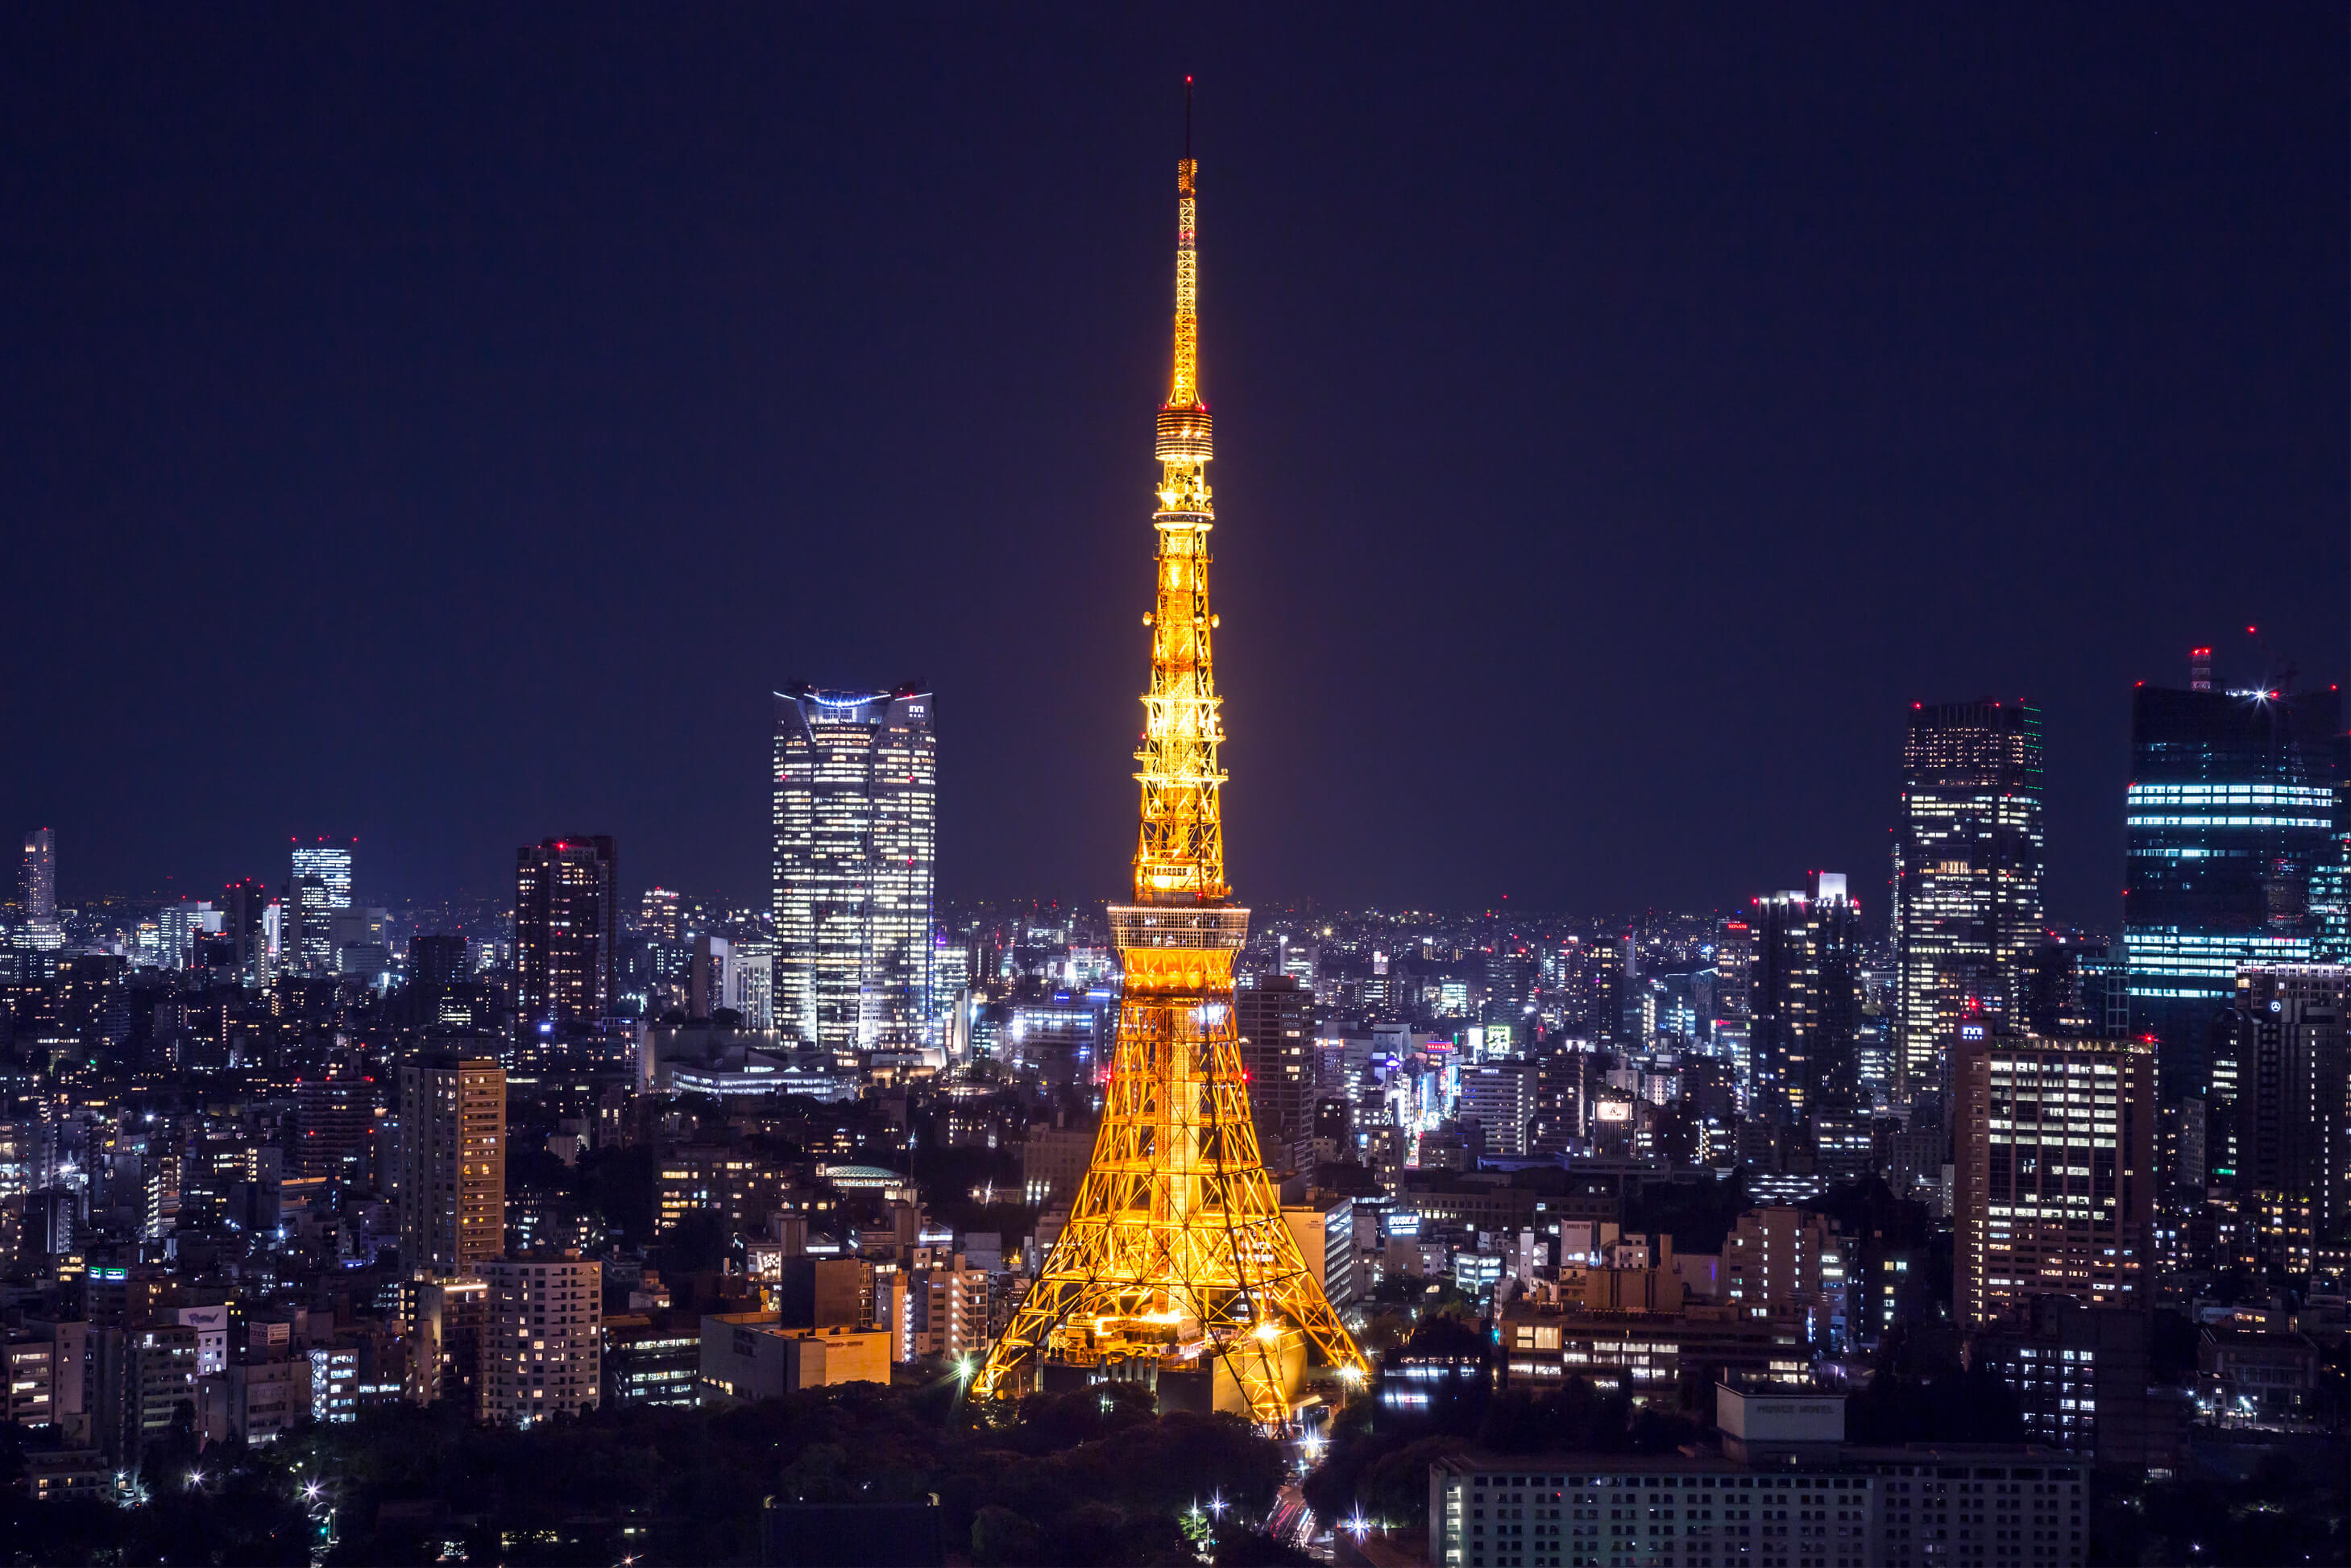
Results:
[1176, 1256]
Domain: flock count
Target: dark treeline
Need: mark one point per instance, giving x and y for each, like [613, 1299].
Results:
[1094, 1477]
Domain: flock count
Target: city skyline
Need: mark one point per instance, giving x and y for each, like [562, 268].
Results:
[1782, 992]
[1739, 423]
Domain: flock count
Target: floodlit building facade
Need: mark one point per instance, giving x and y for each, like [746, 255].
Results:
[856, 793]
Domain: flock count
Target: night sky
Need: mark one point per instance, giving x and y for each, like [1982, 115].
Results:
[449, 427]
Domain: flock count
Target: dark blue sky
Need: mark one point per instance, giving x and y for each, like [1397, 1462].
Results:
[446, 427]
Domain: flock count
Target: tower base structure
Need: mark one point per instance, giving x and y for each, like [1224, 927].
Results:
[1176, 1268]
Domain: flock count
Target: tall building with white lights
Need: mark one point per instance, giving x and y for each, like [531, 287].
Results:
[856, 795]
[2054, 1172]
[329, 860]
[1967, 874]
[39, 890]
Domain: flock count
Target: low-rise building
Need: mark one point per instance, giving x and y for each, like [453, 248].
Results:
[2251, 1374]
[254, 1401]
[650, 1358]
[1839, 1506]
[1648, 1354]
[2083, 1383]
[747, 1356]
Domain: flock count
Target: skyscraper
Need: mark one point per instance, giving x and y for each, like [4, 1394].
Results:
[856, 843]
[453, 1165]
[2054, 1142]
[40, 879]
[1967, 874]
[2231, 812]
[329, 860]
[1803, 1001]
[2282, 1108]
[566, 935]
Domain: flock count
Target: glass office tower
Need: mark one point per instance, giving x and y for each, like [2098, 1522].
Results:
[329, 860]
[2230, 817]
[1967, 875]
[856, 834]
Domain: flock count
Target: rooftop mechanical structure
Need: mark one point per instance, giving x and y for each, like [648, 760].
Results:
[1176, 1268]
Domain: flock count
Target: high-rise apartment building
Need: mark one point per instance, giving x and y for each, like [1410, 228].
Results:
[855, 836]
[2282, 1111]
[566, 935]
[1276, 1021]
[2231, 814]
[2054, 1142]
[545, 1319]
[1803, 998]
[1967, 874]
[453, 1165]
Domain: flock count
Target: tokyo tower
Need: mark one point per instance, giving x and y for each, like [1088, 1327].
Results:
[1176, 1258]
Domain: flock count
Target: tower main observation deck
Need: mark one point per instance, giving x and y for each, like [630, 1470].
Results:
[1177, 1260]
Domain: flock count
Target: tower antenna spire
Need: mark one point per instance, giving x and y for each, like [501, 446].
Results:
[1188, 116]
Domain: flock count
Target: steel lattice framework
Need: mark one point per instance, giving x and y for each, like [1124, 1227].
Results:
[1175, 1253]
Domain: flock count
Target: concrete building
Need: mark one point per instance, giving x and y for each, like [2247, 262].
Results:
[1785, 1260]
[450, 1327]
[2246, 1374]
[254, 1401]
[949, 1309]
[1275, 1019]
[2054, 1145]
[2082, 1380]
[1650, 1356]
[747, 1356]
[544, 1349]
[453, 1165]
[1324, 1226]
[650, 1358]
[1785, 1492]
[1053, 1160]
[29, 1399]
